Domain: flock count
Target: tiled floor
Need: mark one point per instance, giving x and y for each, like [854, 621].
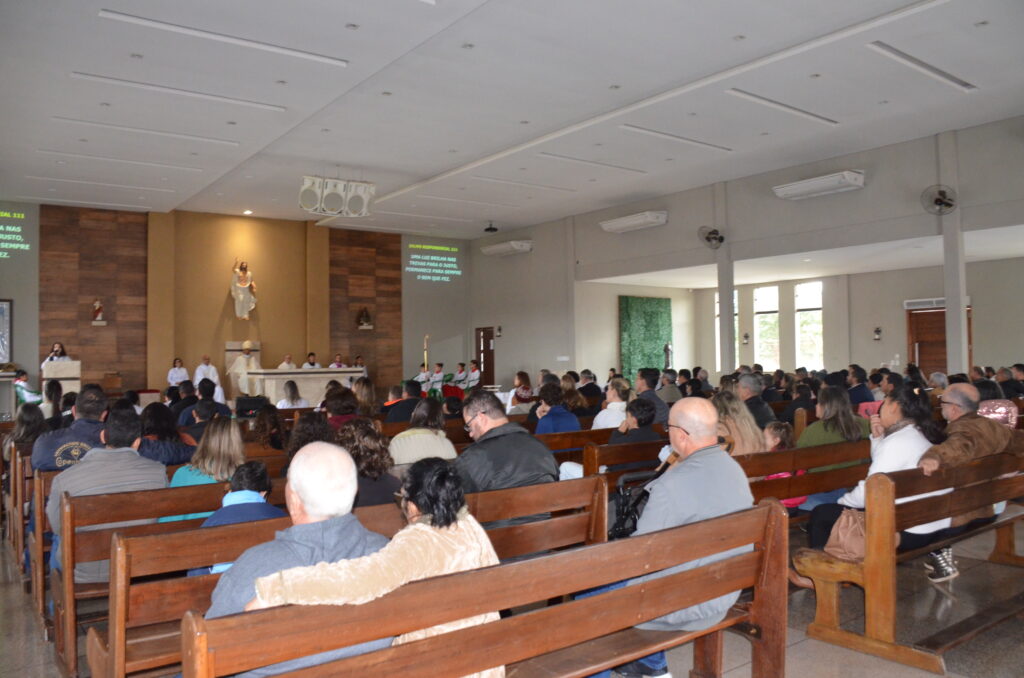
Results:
[998, 653]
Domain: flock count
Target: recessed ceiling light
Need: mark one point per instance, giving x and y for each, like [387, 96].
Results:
[615, 87]
[765, 134]
[815, 75]
[248, 176]
[280, 82]
[193, 153]
[805, 260]
[669, 159]
[737, 38]
[105, 104]
[325, 130]
[524, 122]
[598, 144]
[135, 55]
[385, 94]
[468, 45]
[692, 114]
[522, 169]
[981, 24]
[591, 179]
[62, 162]
[883, 102]
[247, 212]
[352, 27]
[453, 150]
[232, 122]
[83, 140]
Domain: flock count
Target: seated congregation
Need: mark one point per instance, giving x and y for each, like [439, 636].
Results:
[431, 514]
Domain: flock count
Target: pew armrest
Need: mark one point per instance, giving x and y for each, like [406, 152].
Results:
[820, 566]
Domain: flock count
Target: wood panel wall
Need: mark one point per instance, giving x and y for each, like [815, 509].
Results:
[366, 271]
[85, 254]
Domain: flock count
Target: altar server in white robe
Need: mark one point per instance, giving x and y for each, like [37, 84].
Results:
[474, 374]
[239, 372]
[207, 370]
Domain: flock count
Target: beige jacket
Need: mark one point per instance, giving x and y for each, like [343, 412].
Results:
[417, 552]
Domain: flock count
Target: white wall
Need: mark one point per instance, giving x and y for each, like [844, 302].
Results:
[530, 296]
[597, 324]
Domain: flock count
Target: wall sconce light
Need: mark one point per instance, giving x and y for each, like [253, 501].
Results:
[746, 338]
[497, 332]
[878, 334]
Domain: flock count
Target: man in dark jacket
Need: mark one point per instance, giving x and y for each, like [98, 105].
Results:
[749, 390]
[402, 410]
[637, 426]
[203, 414]
[588, 386]
[503, 454]
[57, 450]
[207, 389]
[188, 398]
[859, 392]
[320, 492]
[646, 381]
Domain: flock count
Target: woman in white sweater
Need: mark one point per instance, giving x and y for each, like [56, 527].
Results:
[901, 432]
[614, 413]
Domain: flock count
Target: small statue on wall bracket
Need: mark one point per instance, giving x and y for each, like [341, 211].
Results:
[364, 321]
[97, 313]
[668, 356]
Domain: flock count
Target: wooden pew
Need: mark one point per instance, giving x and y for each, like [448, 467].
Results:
[145, 613]
[759, 466]
[94, 545]
[595, 456]
[575, 638]
[975, 485]
[256, 450]
[20, 494]
[38, 548]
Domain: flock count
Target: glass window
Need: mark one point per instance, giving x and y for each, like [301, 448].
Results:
[809, 326]
[766, 327]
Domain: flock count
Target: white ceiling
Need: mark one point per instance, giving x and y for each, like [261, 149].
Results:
[516, 111]
[984, 245]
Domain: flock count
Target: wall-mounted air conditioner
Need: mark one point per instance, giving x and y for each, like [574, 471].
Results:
[849, 180]
[635, 222]
[504, 249]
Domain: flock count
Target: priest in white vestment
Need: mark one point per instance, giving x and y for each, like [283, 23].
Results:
[207, 370]
[239, 372]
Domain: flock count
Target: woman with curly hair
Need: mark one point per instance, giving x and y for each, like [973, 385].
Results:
[369, 450]
[267, 427]
[311, 427]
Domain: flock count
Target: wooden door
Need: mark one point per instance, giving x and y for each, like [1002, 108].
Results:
[484, 343]
[926, 339]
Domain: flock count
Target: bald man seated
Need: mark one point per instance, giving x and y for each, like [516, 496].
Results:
[320, 492]
[702, 482]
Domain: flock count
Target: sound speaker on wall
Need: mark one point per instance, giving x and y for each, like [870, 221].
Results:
[311, 193]
[335, 196]
[358, 196]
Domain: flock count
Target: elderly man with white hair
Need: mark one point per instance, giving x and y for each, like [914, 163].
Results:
[320, 492]
[749, 390]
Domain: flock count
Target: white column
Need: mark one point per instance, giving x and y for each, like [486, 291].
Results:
[953, 272]
[723, 261]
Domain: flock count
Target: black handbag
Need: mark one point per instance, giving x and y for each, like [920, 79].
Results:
[630, 499]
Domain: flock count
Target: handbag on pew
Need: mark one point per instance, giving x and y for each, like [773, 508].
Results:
[848, 537]
[630, 499]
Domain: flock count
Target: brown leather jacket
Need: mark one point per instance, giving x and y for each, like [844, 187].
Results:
[972, 437]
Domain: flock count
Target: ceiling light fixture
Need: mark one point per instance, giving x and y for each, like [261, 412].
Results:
[468, 45]
[634, 222]
[847, 180]
[247, 212]
[352, 27]
[385, 94]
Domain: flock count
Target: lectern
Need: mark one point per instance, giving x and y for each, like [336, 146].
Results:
[67, 372]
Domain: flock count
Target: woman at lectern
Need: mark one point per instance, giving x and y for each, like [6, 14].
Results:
[57, 352]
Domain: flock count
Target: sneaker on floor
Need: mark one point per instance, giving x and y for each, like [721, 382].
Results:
[942, 566]
[637, 669]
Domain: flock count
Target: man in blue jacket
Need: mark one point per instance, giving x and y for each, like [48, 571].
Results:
[57, 450]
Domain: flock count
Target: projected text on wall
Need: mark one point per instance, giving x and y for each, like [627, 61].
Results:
[12, 235]
[434, 263]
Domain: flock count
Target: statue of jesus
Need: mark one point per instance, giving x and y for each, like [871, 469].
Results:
[243, 289]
